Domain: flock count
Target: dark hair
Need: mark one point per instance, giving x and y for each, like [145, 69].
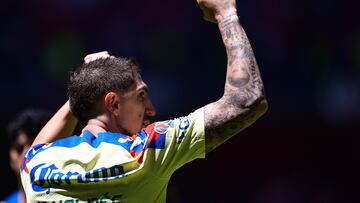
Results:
[89, 82]
[30, 122]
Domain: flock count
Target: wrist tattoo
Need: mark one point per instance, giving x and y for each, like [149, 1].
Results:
[228, 27]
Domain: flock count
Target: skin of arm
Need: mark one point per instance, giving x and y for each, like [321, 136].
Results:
[63, 123]
[243, 101]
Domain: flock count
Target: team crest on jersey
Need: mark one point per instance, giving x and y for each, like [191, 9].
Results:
[161, 127]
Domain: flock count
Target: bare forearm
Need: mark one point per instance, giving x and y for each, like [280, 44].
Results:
[243, 80]
[62, 124]
[243, 101]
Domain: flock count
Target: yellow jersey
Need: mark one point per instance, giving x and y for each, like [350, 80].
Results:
[113, 167]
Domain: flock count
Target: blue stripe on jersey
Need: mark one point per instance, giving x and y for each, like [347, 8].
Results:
[87, 137]
[159, 142]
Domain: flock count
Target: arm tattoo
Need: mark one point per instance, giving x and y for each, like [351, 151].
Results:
[243, 101]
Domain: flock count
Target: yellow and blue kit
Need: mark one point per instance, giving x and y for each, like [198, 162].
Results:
[113, 167]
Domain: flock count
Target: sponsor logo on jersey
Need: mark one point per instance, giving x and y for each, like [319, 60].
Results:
[184, 125]
[44, 177]
[161, 127]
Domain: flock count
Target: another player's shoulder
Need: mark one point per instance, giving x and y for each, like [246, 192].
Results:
[13, 198]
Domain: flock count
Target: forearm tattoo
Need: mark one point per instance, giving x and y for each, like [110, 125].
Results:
[243, 89]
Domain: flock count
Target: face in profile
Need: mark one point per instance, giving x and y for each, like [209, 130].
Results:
[136, 109]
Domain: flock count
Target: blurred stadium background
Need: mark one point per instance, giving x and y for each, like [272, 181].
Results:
[306, 147]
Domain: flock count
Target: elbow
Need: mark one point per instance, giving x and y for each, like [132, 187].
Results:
[258, 105]
[254, 102]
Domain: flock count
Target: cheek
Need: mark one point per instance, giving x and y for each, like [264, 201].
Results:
[140, 111]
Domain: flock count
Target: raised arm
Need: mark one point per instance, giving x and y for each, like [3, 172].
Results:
[63, 123]
[243, 101]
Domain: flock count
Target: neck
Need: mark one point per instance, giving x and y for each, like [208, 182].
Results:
[103, 123]
[97, 125]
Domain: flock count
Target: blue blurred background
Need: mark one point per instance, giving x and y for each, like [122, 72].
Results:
[305, 149]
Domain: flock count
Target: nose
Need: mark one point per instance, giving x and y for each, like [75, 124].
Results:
[150, 109]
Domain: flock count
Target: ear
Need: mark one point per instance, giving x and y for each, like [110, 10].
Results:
[112, 102]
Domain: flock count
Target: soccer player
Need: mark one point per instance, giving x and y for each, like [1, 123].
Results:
[22, 132]
[120, 156]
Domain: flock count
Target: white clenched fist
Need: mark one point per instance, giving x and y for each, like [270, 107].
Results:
[214, 8]
[92, 57]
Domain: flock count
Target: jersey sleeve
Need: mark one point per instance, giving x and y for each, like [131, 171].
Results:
[176, 142]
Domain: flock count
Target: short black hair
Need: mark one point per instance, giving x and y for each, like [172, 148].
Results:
[30, 122]
[89, 82]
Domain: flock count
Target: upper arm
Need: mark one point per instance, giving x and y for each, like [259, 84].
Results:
[61, 125]
[223, 120]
